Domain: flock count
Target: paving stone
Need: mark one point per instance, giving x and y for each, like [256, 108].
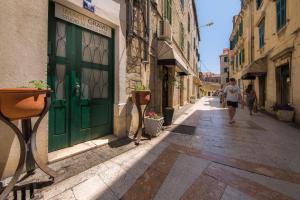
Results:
[184, 172]
[233, 194]
[67, 195]
[172, 161]
[290, 189]
[92, 189]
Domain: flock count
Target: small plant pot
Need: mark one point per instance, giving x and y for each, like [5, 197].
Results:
[153, 127]
[192, 100]
[285, 115]
[141, 97]
[168, 116]
[22, 103]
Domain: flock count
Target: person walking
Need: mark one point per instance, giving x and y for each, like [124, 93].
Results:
[233, 96]
[250, 98]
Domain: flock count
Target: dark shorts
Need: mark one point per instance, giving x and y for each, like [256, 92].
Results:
[232, 104]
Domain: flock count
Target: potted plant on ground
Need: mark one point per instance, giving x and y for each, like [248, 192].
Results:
[192, 99]
[141, 95]
[24, 102]
[153, 124]
[284, 112]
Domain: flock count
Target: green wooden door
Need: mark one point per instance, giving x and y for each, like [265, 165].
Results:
[80, 72]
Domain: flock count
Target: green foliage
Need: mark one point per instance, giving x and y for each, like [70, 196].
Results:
[37, 84]
[172, 80]
[141, 87]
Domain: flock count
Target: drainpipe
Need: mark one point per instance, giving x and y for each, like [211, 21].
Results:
[130, 19]
[250, 34]
[147, 32]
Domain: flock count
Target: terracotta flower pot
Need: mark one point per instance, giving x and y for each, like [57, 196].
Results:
[22, 103]
[141, 97]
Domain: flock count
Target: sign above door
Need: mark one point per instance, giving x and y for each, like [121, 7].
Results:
[79, 19]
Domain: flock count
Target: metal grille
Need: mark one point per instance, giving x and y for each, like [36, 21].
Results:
[61, 39]
[94, 48]
[94, 83]
[60, 78]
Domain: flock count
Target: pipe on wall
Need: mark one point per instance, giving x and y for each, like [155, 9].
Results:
[147, 33]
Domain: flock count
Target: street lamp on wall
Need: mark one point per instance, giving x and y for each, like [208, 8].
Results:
[207, 25]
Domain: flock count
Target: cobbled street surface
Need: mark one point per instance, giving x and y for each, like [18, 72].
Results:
[200, 157]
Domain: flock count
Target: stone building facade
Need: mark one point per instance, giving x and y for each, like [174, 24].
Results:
[162, 55]
[119, 45]
[224, 66]
[272, 61]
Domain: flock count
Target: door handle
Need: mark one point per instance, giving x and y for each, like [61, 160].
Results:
[77, 89]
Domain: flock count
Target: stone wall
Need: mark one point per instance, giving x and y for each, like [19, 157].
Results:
[280, 48]
[23, 56]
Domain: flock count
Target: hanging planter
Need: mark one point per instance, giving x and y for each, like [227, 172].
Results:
[141, 95]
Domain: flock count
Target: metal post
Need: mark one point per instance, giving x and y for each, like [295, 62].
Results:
[27, 130]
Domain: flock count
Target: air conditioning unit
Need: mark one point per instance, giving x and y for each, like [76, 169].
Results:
[165, 31]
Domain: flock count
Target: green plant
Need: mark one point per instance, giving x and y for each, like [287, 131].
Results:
[141, 87]
[37, 84]
[172, 80]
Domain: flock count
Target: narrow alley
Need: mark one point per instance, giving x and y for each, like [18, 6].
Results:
[200, 157]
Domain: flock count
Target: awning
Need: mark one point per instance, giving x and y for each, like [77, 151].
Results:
[167, 56]
[256, 68]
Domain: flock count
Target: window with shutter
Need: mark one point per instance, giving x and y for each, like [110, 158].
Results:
[261, 30]
[189, 23]
[188, 50]
[181, 31]
[258, 4]
[280, 13]
[168, 10]
[241, 26]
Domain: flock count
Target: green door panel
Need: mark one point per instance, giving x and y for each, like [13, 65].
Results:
[80, 73]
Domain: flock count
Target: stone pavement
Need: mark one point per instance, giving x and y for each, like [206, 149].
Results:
[200, 157]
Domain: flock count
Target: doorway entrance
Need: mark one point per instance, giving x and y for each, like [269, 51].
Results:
[165, 88]
[282, 84]
[262, 91]
[80, 73]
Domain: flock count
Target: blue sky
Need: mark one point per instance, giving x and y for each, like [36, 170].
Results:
[216, 37]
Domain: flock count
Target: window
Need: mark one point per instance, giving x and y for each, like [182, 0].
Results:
[236, 62]
[194, 43]
[231, 45]
[241, 27]
[182, 5]
[261, 32]
[241, 57]
[189, 23]
[281, 13]
[168, 10]
[226, 59]
[225, 70]
[258, 4]
[181, 31]
[188, 50]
